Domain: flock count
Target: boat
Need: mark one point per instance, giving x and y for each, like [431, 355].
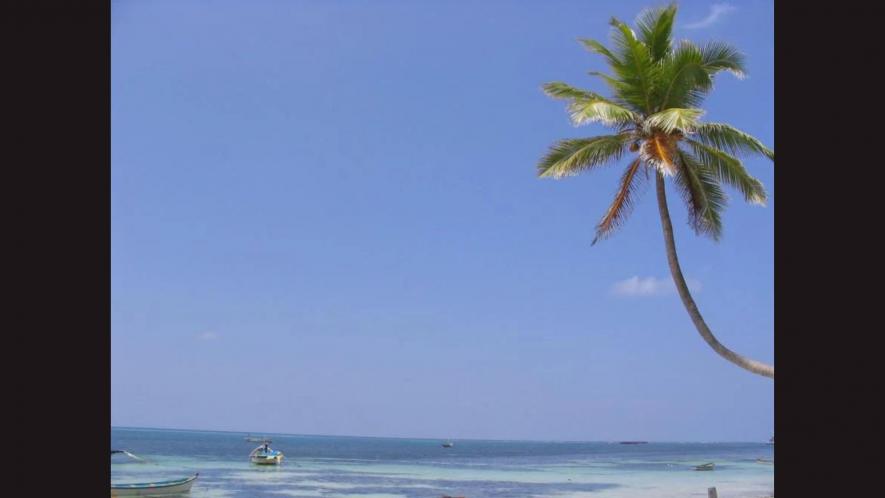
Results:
[448, 444]
[159, 488]
[764, 460]
[265, 455]
[705, 466]
[634, 442]
[771, 441]
[253, 439]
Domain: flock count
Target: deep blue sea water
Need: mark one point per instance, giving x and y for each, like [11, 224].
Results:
[363, 467]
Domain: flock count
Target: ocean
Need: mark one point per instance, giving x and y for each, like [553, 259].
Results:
[368, 467]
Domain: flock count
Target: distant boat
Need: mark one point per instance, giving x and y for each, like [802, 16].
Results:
[264, 455]
[253, 439]
[771, 441]
[159, 488]
[706, 466]
[634, 442]
[764, 460]
[448, 444]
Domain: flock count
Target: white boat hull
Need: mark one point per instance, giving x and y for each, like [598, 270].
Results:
[276, 460]
[168, 488]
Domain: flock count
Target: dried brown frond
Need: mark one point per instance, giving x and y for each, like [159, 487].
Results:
[623, 203]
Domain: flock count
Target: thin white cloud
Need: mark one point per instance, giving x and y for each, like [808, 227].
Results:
[717, 12]
[208, 336]
[650, 286]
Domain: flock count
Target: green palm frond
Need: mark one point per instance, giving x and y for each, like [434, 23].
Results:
[674, 119]
[623, 85]
[731, 140]
[588, 107]
[687, 72]
[719, 56]
[614, 83]
[619, 88]
[571, 156]
[598, 48]
[655, 30]
[685, 79]
[637, 70]
[603, 111]
[561, 90]
[622, 205]
[702, 194]
[730, 170]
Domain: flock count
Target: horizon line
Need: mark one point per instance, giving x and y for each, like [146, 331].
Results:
[428, 438]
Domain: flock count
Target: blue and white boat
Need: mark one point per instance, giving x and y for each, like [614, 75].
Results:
[265, 455]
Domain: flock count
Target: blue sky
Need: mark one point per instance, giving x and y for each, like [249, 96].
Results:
[326, 220]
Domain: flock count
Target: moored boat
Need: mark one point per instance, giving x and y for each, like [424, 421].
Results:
[265, 455]
[705, 466]
[448, 444]
[158, 488]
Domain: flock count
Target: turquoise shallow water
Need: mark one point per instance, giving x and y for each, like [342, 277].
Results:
[358, 467]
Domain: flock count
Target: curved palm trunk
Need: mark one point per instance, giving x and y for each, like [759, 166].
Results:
[690, 306]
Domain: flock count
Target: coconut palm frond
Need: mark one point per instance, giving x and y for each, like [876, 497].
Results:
[729, 169]
[702, 194]
[655, 30]
[603, 111]
[598, 48]
[572, 156]
[685, 80]
[719, 56]
[619, 89]
[674, 119]
[637, 69]
[562, 90]
[588, 107]
[687, 72]
[731, 140]
[622, 205]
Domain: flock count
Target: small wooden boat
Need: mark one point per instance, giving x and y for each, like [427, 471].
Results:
[264, 455]
[159, 488]
[448, 444]
[705, 466]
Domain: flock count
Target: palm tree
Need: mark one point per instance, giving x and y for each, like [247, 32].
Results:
[657, 87]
